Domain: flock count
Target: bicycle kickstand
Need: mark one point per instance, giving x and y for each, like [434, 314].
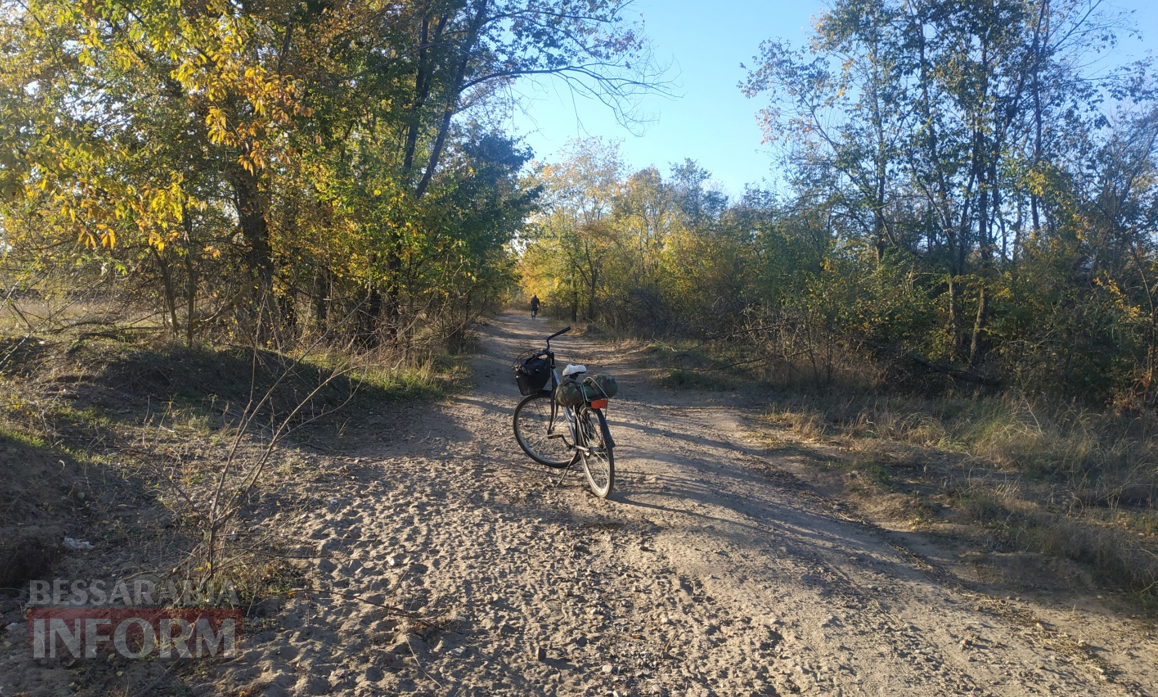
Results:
[562, 474]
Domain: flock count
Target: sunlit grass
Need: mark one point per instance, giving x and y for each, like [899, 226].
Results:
[1060, 481]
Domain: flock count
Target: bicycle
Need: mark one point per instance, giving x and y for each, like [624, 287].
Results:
[558, 436]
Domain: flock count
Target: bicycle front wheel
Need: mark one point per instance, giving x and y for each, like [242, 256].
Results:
[595, 450]
[541, 430]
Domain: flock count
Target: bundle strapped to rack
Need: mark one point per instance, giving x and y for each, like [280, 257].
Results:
[589, 388]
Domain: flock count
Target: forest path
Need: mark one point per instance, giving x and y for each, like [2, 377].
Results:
[710, 570]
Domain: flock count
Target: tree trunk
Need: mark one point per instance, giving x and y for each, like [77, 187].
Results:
[421, 90]
[392, 307]
[288, 314]
[422, 81]
[368, 334]
[247, 198]
[190, 280]
[170, 292]
[951, 324]
[1039, 41]
[591, 296]
[321, 301]
[190, 300]
[879, 223]
[448, 113]
[975, 346]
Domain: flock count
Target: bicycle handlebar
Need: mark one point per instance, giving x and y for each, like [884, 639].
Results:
[561, 331]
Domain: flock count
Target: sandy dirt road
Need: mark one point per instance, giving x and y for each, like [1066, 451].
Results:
[710, 571]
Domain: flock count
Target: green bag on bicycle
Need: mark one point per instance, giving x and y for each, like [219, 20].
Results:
[599, 386]
[571, 393]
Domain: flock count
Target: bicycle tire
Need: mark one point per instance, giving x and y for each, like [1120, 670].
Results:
[533, 418]
[597, 453]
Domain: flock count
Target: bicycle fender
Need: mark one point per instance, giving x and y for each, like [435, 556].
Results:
[610, 438]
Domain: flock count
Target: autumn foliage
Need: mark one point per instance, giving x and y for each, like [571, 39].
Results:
[284, 168]
[963, 207]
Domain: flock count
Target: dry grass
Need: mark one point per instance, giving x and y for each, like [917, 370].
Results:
[1060, 481]
[59, 315]
[145, 425]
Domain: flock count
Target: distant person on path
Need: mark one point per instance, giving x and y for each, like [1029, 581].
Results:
[534, 306]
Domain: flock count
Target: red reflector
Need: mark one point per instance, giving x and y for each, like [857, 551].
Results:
[599, 404]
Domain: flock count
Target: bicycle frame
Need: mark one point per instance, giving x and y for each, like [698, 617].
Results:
[572, 413]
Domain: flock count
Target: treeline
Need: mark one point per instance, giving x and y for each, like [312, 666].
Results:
[286, 168]
[968, 202]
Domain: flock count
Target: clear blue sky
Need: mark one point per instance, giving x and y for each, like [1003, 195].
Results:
[711, 121]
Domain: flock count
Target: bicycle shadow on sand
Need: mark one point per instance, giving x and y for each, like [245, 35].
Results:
[789, 531]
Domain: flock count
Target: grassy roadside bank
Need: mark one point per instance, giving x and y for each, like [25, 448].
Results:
[1002, 473]
[122, 442]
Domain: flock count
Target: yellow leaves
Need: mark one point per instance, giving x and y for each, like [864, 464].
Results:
[105, 236]
[218, 126]
[104, 191]
[124, 59]
[92, 37]
[185, 74]
[100, 206]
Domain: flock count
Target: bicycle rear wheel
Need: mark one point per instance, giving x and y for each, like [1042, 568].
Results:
[596, 452]
[541, 430]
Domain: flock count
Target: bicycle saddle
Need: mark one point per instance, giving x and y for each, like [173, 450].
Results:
[572, 369]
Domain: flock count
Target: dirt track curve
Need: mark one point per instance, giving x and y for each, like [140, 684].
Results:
[710, 571]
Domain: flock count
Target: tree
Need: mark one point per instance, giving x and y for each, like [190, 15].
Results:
[939, 126]
[572, 240]
[319, 128]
